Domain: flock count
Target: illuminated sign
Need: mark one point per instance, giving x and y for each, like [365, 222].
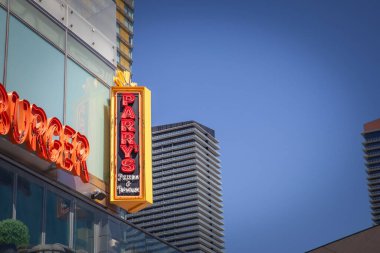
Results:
[27, 123]
[131, 154]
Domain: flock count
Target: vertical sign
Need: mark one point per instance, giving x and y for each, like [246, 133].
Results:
[131, 154]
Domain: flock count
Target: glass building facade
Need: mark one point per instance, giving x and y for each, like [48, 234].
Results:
[60, 55]
[57, 215]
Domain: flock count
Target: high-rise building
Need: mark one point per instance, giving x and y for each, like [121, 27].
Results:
[372, 156]
[187, 209]
[124, 30]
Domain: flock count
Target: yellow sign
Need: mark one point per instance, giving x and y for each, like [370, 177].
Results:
[131, 148]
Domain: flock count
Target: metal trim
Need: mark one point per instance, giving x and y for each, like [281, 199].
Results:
[14, 214]
[6, 47]
[65, 79]
[43, 229]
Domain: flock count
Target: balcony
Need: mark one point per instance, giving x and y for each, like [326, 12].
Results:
[174, 153]
[173, 177]
[175, 183]
[142, 218]
[158, 174]
[177, 146]
[162, 209]
[173, 159]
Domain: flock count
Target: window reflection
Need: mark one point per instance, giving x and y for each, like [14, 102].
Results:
[101, 14]
[6, 193]
[3, 16]
[117, 242]
[135, 239]
[88, 111]
[84, 229]
[85, 57]
[29, 207]
[35, 69]
[102, 240]
[94, 230]
[39, 21]
[57, 219]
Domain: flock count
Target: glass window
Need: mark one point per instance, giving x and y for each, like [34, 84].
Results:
[128, 24]
[154, 245]
[3, 17]
[128, 11]
[134, 239]
[6, 192]
[35, 69]
[101, 14]
[57, 219]
[117, 242]
[84, 229]
[88, 112]
[85, 57]
[29, 207]
[102, 242]
[39, 21]
[3, 2]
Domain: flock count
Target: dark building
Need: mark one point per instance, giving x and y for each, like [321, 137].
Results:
[365, 241]
[187, 210]
[372, 156]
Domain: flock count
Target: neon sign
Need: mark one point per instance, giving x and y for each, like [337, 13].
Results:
[127, 133]
[27, 123]
[131, 148]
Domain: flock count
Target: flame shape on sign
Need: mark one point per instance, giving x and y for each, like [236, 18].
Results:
[123, 78]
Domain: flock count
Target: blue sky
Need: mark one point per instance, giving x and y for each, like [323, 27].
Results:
[287, 86]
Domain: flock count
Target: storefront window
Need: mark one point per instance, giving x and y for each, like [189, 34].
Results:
[84, 229]
[93, 229]
[35, 69]
[117, 242]
[6, 193]
[39, 21]
[102, 241]
[87, 110]
[3, 16]
[85, 57]
[154, 245]
[134, 239]
[57, 219]
[29, 208]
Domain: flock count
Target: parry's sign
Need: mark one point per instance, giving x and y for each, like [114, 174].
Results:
[26, 123]
[131, 149]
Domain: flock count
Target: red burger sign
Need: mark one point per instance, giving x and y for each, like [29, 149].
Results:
[26, 123]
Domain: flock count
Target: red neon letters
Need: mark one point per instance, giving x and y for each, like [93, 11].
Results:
[127, 134]
[25, 123]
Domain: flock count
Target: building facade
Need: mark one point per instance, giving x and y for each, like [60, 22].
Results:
[61, 56]
[371, 144]
[124, 30]
[361, 241]
[187, 210]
